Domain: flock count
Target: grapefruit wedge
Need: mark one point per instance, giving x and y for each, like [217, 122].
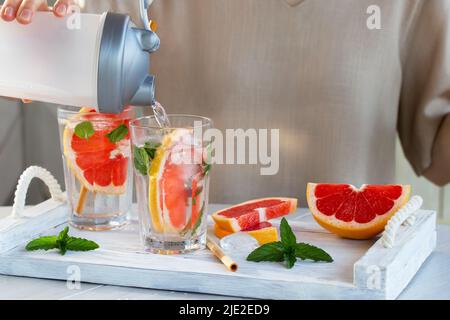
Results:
[263, 233]
[171, 175]
[250, 214]
[355, 213]
[99, 164]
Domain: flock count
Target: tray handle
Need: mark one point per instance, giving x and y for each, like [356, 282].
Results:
[404, 216]
[24, 182]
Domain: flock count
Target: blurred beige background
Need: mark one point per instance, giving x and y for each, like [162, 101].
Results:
[30, 137]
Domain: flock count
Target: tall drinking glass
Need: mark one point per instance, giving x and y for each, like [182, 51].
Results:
[96, 152]
[172, 168]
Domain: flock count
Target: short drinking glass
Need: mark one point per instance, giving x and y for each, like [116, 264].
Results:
[96, 152]
[172, 168]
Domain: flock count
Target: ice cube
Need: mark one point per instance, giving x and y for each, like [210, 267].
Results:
[239, 244]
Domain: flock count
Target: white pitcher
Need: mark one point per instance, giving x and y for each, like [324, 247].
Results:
[99, 61]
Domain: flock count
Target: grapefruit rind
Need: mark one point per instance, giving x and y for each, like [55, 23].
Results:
[263, 236]
[232, 224]
[353, 229]
[155, 173]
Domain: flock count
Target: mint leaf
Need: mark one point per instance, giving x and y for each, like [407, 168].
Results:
[62, 242]
[207, 162]
[197, 224]
[84, 130]
[141, 160]
[199, 220]
[288, 249]
[290, 259]
[62, 248]
[118, 133]
[42, 243]
[63, 234]
[206, 169]
[80, 244]
[287, 236]
[273, 251]
[143, 156]
[196, 194]
[306, 251]
[150, 148]
[186, 228]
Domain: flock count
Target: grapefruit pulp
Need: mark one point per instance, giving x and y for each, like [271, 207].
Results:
[263, 233]
[99, 164]
[249, 214]
[355, 213]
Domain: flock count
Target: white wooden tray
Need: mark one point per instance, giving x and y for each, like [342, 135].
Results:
[361, 269]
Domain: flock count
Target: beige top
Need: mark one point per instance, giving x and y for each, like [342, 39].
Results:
[338, 91]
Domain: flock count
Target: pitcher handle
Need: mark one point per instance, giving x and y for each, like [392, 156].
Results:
[143, 10]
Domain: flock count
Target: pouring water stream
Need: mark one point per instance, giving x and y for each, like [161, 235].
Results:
[160, 115]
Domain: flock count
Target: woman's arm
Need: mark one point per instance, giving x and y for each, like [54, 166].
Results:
[23, 10]
[424, 117]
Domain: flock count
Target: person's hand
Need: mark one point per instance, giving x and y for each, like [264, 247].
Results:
[23, 10]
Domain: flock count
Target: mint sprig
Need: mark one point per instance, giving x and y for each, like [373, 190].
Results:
[63, 242]
[84, 130]
[288, 249]
[206, 168]
[144, 155]
[140, 160]
[118, 133]
[199, 220]
[207, 162]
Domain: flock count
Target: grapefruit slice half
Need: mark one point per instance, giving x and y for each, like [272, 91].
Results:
[250, 214]
[263, 233]
[99, 164]
[355, 213]
[176, 169]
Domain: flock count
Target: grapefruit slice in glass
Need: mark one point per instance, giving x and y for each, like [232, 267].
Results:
[175, 175]
[263, 232]
[249, 214]
[99, 164]
[355, 213]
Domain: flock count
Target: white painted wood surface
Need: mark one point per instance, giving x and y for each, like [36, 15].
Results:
[16, 231]
[120, 262]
